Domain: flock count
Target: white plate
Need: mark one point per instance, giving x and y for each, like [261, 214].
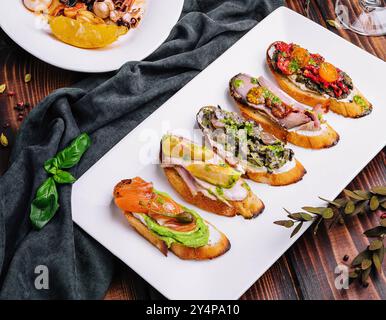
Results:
[258, 243]
[29, 32]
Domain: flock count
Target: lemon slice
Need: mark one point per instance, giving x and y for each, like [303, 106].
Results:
[83, 34]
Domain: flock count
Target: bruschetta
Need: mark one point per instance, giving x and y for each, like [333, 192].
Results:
[311, 80]
[244, 145]
[205, 180]
[263, 102]
[167, 224]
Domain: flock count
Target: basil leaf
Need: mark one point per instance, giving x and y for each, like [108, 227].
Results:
[71, 155]
[51, 165]
[64, 177]
[47, 188]
[45, 205]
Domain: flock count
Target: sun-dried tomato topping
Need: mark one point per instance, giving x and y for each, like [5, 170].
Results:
[291, 59]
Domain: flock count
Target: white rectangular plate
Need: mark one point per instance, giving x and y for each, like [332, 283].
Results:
[258, 243]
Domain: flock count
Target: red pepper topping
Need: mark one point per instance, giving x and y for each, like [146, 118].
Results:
[287, 62]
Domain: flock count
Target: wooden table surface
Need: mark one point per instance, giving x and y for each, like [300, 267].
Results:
[306, 271]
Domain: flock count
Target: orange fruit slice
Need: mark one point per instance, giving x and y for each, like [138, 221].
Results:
[328, 72]
[83, 34]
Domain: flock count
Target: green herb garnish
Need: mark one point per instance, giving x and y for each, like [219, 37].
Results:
[312, 62]
[294, 66]
[360, 101]
[238, 83]
[254, 80]
[45, 204]
[219, 191]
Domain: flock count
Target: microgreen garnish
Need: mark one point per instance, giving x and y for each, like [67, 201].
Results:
[238, 83]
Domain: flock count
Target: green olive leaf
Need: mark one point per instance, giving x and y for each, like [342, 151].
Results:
[297, 229]
[306, 216]
[381, 253]
[365, 275]
[45, 205]
[314, 210]
[71, 155]
[375, 232]
[350, 207]
[353, 195]
[296, 216]
[63, 177]
[360, 257]
[377, 262]
[366, 263]
[379, 190]
[374, 203]
[361, 208]
[285, 223]
[317, 224]
[365, 195]
[375, 245]
[328, 213]
[334, 203]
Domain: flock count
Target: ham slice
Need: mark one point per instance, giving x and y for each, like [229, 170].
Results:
[188, 179]
[241, 84]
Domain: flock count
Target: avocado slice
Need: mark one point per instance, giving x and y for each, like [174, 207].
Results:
[177, 147]
[222, 176]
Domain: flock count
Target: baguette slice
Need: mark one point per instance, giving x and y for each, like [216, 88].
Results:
[249, 208]
[314, 98]
[218, 243]
[280, 178]
[213, 249]
[275, 178]
[328, 137]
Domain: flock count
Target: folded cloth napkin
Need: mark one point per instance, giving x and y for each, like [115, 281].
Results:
[107, 107]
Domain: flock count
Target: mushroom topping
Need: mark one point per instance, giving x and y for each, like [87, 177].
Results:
[102, 9]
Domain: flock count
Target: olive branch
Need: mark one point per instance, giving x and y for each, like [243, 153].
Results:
[357, 202]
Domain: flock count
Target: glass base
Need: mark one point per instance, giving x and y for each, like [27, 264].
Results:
[363, 17]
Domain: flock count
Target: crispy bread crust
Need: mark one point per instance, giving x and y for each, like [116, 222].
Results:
[209, 251]
[346, 109]
[248, 208]
[279, 179]
[326, 140]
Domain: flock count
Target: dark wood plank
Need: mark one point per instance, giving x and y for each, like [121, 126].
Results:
[15, 63]
[306, 271]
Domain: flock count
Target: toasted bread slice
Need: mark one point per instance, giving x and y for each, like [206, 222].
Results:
[351, 109]
[249, 208]
[326, 139]
[275, 178]
[217, 247]
[313, 98]
[285, 178]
